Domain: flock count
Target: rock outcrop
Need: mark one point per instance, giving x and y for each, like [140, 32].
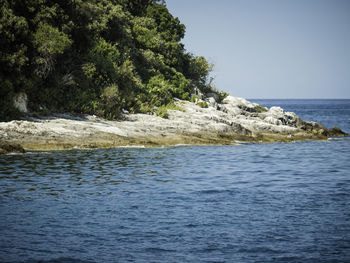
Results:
[20, 102]
[6, 148]
[235, 119]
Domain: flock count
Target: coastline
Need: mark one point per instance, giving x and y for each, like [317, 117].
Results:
[233, 121]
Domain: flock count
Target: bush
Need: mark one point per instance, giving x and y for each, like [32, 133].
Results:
[222, 95]
[202, 104]
[180, 86]
[159, 91]
[110, 105]
[260, 109]
[194, 98]
[49, 42]
[7, 110]
[162, 111]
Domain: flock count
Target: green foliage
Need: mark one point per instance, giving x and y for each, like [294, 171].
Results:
[202, 104]
[145, 33]
[194, 98]
[7, 110]
[45, 112]
[199, 72]
[260, 109]
[169, 27]
[95, 56]
[110, 101]
[180, 86]
[162, 111]
[159, 91]
[222, 95]
[49, 42]
[13, 32]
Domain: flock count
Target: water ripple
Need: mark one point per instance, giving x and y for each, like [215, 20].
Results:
[248, 203]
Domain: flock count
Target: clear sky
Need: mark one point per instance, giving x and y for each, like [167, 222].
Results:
[271, 48]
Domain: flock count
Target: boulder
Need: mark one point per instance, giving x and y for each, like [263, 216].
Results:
[276, 112]
[6, 148]
[272, 120]
[212, 95]
[211, 102]
[336, 131]
[277, 116]
[20, 102]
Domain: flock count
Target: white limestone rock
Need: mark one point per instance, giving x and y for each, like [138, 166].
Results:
[235, 116]
[20, 102]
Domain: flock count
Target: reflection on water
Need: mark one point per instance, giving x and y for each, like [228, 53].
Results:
[58, 260]
[268, 202]
[35, 174]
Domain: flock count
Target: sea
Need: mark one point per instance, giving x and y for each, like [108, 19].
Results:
[275, 202]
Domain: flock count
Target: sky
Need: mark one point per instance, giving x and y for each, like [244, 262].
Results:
[271, 48]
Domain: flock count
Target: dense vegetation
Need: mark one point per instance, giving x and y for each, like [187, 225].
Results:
[94, 56]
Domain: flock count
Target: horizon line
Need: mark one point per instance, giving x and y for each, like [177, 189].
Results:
[297, 98]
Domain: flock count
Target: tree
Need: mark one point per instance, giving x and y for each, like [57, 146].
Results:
[49, 42]
[95, 56]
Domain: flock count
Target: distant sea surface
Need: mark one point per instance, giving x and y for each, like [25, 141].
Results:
[280, 202]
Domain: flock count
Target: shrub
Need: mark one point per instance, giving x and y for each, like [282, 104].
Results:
[260, 109]
[162, 111]
[49, 42]
[7, 110]
[202, 104]
[180, 86]
[45, 112]
[159, 91]
[110, 104]
[222, 95]
[194, 98]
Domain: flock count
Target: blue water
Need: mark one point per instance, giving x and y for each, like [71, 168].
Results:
[250, 203]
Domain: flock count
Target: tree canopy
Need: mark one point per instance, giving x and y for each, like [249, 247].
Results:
[94, 56]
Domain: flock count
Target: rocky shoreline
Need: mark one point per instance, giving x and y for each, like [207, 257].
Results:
[233, 121]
